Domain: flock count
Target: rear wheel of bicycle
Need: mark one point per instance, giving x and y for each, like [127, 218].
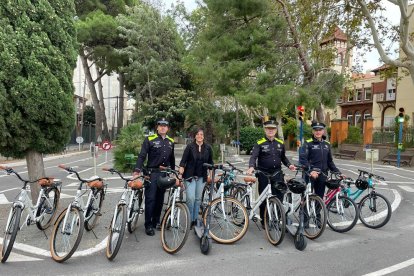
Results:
[228, 224]
[135, 211]
[315, 220]
[93, 211]
[66, 237]
[205, 197]
[116, 232]
[342, 214]
[275, 224]
[374, 210]
[175, 227]
[47, 208]
[11, 233]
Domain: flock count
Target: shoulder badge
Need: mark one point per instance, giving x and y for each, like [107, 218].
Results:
[152, 137]
[261, 141]
[280, 141]
[169, 138]
[309, 140]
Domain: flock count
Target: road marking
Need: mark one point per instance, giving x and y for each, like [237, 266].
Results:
[400, 182]
[3, 199]
[9, 190]
[407, 188]
[14, 257]
[391, 269]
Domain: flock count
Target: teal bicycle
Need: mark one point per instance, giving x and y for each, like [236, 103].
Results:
[374, 208]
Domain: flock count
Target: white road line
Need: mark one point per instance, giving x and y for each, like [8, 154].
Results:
[400, 182]
[391, 269]
[14, 257]
[407, 188]
[3, 200]
[9, 190]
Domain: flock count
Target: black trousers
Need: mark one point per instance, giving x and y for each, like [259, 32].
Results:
[263, 181]
[154, 199]
[318, 184]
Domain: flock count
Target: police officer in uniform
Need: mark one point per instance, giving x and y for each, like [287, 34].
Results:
[267, 155]
[316, 156]
[159, 148]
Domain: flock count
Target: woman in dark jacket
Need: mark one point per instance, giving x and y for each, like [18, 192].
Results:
[191, 166]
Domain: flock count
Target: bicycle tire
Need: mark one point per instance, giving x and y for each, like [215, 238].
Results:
[42, 208]
[114, 241]
[205, 197]
[347, 205]
[367, 219]
[317, 224]
[91, 215]
[215, 225]
[11, 233]
[279, 225]
[174, 246]
[135, 211]
[56, 255]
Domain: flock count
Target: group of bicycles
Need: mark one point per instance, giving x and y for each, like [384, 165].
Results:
[227, 206]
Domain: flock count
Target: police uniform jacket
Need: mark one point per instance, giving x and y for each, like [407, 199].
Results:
[269, 155]
[317, 156]
[160, 152]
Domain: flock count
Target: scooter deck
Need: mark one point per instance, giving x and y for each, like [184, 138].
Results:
[199, 228]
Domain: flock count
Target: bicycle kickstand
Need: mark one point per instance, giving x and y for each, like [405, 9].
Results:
[93, 232]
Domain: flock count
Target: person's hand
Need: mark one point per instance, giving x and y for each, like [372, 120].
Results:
[343, 176]
[250, 171]
[181, 170]
[292, 167]
[136, 174]
[314, 174]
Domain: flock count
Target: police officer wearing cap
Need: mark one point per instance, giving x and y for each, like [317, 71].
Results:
[267, 155]
[159, 148]
[316, 156]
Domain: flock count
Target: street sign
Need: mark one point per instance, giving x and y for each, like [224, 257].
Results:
[79, 139]
[106, 145]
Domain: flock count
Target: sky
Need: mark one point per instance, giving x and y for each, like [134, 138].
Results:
[372, 58]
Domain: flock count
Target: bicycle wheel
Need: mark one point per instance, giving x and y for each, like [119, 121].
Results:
[175, 227]
[342, 214]
[205, 197]
[116, 232]
[228, 224]
[66, 237]
[315, 220]
[275, 225]
[10, 233]
[47, 208]
[374, 210]
[135, 211]
[93, 211]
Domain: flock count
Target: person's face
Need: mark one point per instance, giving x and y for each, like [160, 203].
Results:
[199, 137]
[318, 132]
[162, 129]
[270, 131]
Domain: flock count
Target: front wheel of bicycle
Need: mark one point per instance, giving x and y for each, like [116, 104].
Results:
[135, 211]
[229, 220]
[374, 210]
[315, 220]
[116, 232]
[175, 227]
[47, 208]
[342, 214]
[205, 197]
[11, 233]
[275, 224]
[93, 210]
[66, 237]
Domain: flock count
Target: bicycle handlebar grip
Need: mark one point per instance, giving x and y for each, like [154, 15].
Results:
[62, 166]
[107, 169]
[4, 168]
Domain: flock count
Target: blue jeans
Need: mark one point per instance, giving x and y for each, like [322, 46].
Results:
[194, 190]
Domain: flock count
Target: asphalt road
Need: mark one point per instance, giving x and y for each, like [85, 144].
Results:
[358, 252]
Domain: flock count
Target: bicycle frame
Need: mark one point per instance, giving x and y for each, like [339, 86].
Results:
[265, 195]
[171, 203]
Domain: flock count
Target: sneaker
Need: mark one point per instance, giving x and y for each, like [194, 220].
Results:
[150, 231]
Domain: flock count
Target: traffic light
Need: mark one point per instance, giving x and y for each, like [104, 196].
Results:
[301, 113]
[401, 115]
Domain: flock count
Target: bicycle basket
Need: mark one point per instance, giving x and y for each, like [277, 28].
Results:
[297, 185]
[361, 183]
[165, 182]
[333, 183]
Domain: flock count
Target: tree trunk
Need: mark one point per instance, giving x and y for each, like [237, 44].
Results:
[279, 127]
[92, 90]
[121, 99]
[320, 116]
[237, 127]
[105, 130]
[149, 87]
[35, 168]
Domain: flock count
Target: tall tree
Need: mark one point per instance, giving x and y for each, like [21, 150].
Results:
[38, 55]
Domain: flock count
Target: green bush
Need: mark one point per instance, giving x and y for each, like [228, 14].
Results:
[354, 135]
[216, 153]
[291, 128]
[129, 142]
[249, 137]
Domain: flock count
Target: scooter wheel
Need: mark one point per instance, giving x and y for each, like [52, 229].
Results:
[300, 242]
[205, 245]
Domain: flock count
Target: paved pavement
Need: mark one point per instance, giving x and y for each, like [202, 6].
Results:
[357, 252]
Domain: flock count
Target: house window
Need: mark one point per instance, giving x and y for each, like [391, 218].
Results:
[359, 94]
[338, 60]
[350, 118]
[350, 97]
[391, 95]
[367, 115]
[368, 94]
[358, 120]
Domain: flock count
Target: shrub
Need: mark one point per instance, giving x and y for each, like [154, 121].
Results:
[129, 142]
[249, 137]
[354, 135]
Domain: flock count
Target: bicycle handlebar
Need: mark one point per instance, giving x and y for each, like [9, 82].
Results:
[268, 175]
[363, 172]
[233, 167]
[71, 170]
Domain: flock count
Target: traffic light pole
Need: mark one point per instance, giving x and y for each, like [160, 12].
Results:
[399, 147]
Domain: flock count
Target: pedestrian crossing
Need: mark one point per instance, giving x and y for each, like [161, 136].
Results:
[3, 200]
[407, 188]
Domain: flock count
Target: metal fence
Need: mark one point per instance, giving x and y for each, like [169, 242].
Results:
[389, 135]
[88, 134]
